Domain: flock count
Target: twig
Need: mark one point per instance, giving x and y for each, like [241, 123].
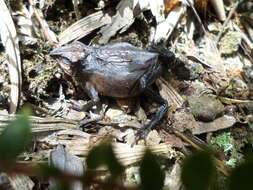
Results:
[226, 21]
[197, 15]
[200, 146]
[43, 27]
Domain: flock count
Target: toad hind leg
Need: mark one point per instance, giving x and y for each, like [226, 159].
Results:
[142, 133]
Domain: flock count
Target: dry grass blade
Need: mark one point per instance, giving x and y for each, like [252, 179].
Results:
[39, 124]
[10, 42]
[169, 93]
[47, 33]
[126, 154]
[21, 182]
[77, 12]
[84, 27]
[232, 11]
[190, 4]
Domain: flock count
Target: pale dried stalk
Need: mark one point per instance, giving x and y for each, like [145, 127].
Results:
[43, 25]
[227, 20]
[41, 124]
[10, 41]
[126, 154]
[219, 9]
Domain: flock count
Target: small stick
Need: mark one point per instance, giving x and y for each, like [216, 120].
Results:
[226, 21]
[198, 145]
[43, 27]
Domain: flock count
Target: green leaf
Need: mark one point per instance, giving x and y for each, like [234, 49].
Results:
[198, 171]
[55, 175]
[49, 171]
[241, 176]
[15, 138]
[61, 186]
[152, 177]
[103, 155]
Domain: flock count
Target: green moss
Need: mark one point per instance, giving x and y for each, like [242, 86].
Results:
[223, 142]
[231, 162]
[234, 144]
[230, 42]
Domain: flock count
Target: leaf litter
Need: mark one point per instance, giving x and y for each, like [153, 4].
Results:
[213, 60]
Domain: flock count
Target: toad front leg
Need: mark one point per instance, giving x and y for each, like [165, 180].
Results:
[93, 94]
[95, 101]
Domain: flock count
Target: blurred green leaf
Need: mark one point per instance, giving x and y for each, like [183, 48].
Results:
[152, 177]
[55, 175]
[103, 155]
[49, 171]
[61, 186]
[15, 137]
[198, 171]
[241, 176]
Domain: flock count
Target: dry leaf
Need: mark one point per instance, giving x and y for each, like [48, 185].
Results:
[170, 5]
[84, 27]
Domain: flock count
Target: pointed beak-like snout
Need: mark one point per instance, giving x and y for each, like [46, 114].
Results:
[73, 52]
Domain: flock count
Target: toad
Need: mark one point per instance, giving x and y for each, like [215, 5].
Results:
[120, 70]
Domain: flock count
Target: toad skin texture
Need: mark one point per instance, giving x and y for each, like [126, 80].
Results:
[120, 70]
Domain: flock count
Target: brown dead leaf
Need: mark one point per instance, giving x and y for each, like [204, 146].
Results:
[170, 5]
[184, 121]
[171, 139]
[218, 124]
